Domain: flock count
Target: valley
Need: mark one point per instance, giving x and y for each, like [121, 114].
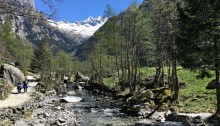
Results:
[142, 63]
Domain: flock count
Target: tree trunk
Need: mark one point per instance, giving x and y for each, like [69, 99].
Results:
[175, 81]
[217, 75]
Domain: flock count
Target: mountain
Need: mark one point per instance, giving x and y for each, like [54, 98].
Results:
[59, 35]
[86, 48]
[79, 31]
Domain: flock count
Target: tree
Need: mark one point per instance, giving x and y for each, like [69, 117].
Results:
[133, 32]
[198, 42]
[15, 49]
[64, 65]
[164, 33]
[42, 62]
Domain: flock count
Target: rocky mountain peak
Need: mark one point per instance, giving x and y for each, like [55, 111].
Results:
[84, 28]
[25, 3]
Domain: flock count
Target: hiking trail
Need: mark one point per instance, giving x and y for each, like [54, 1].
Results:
[15, 99]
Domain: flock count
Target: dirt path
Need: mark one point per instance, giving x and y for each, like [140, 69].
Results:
[15, 99]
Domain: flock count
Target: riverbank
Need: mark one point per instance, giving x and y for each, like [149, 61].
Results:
[41, 111]
[14, 99]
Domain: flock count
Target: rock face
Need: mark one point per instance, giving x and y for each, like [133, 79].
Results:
[12, 75]
[25, 3]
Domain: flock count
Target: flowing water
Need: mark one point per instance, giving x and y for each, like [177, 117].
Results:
[92, 111]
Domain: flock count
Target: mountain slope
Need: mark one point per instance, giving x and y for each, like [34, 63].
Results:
[59, 35]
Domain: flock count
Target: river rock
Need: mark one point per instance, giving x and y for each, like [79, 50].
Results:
[58, 108]
[81, 78]
[70, 93]
[144, 122]
[46, 114]
[12, 75]
[74, 99]
[20, 123]
[169, 124]
[61, 120]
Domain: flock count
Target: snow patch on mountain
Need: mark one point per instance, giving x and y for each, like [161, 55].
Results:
[84, 28]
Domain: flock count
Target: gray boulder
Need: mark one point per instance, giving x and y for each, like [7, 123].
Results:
[81, 78]
[74, 99]
[12, 75]
[20, 123]
[71, 93]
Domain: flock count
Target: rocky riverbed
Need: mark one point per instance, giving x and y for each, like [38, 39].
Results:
[94, 110]
[45, 110]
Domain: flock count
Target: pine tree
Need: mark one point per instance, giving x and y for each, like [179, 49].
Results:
[42, 61]
[199, 37]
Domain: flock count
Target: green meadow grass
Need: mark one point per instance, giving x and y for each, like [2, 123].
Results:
[193, 98]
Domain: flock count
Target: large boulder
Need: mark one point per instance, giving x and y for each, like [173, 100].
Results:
[12, 75]
[74, 99]
[81, 78]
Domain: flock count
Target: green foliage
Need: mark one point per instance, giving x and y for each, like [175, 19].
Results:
[42, 58]
[110, 82]
[194, 97]
[199, 24]
[65, 64]
[15, 49]
[198, 40]
[1, 81]
[42, 62]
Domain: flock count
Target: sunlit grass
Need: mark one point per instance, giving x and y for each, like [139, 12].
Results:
[194, 97]
[1, 81]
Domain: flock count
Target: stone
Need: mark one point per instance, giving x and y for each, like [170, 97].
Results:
[61, 120]
[71, 93]
[12, 75]
[45, 114]
[197, 120]
[74, 99]
[58, 108]
[81, 78]
[57, 123]
[144, 122]
[168, 124]
[20, 123]
[14, 111]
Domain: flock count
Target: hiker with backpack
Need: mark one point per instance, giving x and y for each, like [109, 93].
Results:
[25, 86]
[19, 87]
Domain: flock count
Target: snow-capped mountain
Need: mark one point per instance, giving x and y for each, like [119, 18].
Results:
[59, 35]
[79, 30]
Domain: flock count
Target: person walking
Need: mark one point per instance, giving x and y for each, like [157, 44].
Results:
[25, 86]
[19, 87]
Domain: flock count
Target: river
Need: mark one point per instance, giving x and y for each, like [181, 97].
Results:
[92, 111]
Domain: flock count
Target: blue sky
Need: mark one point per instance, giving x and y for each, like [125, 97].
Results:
[78, 10]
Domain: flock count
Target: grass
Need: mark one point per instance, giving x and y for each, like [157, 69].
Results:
[193, 98]
[110, 82]
[28, 114]
[1, 81]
